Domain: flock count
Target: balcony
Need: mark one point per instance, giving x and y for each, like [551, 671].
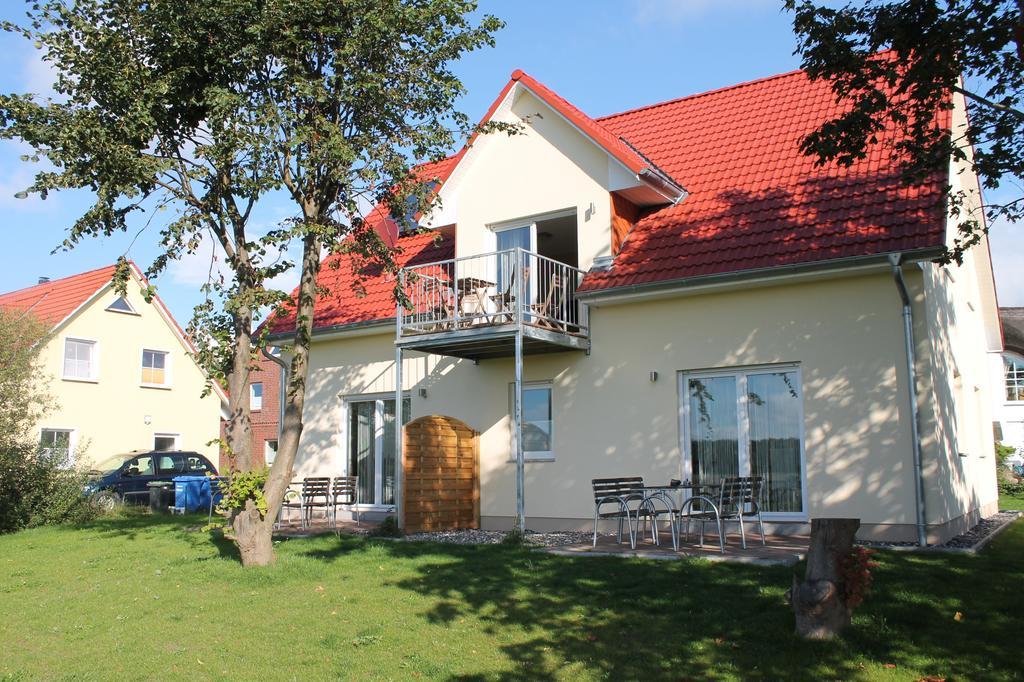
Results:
[475, 307]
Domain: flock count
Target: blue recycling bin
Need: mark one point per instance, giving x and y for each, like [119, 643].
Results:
[192, 493]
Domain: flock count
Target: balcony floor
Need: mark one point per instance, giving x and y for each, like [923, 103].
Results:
[487, 341]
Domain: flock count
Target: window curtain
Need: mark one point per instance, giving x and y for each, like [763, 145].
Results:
[361, 453]
[773, 411]
[714, 446]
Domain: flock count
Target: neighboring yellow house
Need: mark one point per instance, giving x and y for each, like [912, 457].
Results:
[121, 370]
[671, 292]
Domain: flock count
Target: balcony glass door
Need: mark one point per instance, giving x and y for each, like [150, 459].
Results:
[524, 237]
[371, 448]
[746, 423]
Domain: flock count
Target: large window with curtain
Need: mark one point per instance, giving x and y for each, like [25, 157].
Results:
[371, 447]
[746, 423]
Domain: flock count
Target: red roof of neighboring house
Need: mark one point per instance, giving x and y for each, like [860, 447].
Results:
[754, 199]
[52, 302]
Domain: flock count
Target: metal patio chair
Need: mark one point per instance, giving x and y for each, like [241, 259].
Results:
[739, 498]
[626, 495]
[316, 494]
[344, 493]
[703, 510]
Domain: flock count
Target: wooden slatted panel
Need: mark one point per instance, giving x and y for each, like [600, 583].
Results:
[441, 485]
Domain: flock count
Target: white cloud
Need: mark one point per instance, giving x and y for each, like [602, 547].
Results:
[651, 11]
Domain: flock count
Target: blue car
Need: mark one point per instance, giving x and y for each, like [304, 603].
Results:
[125, 477]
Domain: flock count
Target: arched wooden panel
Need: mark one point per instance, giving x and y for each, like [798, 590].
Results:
[441, 482]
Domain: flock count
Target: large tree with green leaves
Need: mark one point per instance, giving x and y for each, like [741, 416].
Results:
[204, 108]
[895, 63]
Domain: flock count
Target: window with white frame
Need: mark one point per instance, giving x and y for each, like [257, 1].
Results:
[80, 360]
[1014, 373]
[165, 441]
[371, 446]
[156, 368]
[269, 451]
[256, 396]
[746, 423]
[57, 442]
[538, 420]
[121, 305]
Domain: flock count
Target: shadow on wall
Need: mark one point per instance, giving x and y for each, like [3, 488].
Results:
[863, 398]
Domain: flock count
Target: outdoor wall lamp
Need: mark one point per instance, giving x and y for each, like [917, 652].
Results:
[654, 377]
[423, 393]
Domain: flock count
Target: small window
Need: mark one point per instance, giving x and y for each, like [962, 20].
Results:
[269, 451]
[537, 421]
[1014, 377]
[154, 368]
[256, 396]
[80, 361]
[121, 305]
[56, 442]
[165, 441]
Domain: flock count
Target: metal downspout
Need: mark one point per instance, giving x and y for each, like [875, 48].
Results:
[911, 361]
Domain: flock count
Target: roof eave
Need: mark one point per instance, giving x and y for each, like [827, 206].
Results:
[632, 291]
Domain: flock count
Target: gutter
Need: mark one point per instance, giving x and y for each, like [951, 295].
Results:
[911, 362]
[336, 329]
[636, 290]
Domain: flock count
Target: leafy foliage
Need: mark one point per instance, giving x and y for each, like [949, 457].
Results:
[23, 391]
[241, 488]
[855, 573]
[37, 488]
[932, 48]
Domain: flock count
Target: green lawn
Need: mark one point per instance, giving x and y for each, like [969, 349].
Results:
[145, 597]
[1011, 501]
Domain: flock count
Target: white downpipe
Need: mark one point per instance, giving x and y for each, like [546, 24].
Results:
[911, 367]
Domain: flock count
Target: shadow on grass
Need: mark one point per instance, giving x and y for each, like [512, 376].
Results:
[629, 618]
[138, 523]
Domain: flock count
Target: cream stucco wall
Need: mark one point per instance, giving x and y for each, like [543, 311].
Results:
[109, 415]
[548, 167]
[610, 419]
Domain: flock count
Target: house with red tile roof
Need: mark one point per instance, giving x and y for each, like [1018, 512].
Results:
[672, 292]
[119, 369]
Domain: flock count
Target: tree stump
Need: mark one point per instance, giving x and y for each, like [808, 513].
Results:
[819, 601]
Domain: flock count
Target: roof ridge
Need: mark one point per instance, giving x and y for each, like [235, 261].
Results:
[715, 91]
[58, 280]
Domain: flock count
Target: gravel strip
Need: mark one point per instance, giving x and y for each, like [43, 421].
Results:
[494, 537]
[966, 540]
[985, 528]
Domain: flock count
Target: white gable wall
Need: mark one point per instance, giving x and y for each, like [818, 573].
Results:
[549, 167]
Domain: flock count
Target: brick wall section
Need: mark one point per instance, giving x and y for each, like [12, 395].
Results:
[265, 420]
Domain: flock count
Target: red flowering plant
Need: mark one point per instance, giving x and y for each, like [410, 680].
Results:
[855, 573]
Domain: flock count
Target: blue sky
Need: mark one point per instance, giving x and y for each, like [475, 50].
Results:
[602, 55]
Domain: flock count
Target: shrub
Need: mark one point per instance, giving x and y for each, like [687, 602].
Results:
[388, 528]
[37, 488]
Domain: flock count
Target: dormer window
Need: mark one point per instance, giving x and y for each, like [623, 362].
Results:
[121, 305]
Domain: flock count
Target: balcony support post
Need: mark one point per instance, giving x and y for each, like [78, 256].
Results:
[399, 421]
[518, 407]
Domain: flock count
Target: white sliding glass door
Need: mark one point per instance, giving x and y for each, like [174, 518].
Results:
[371, 447]
[746, 423]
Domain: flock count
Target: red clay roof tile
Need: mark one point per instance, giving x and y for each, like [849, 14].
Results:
[52, 302]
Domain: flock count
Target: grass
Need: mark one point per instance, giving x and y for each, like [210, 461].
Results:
[148, 597]
[1011, 502]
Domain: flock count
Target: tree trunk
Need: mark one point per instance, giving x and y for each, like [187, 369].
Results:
[818, 602]
[253, 535]
[239, 426]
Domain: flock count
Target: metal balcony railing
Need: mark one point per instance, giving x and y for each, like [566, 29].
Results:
[491, 290]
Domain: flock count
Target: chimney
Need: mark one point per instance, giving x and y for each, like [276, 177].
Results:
[43, 280]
